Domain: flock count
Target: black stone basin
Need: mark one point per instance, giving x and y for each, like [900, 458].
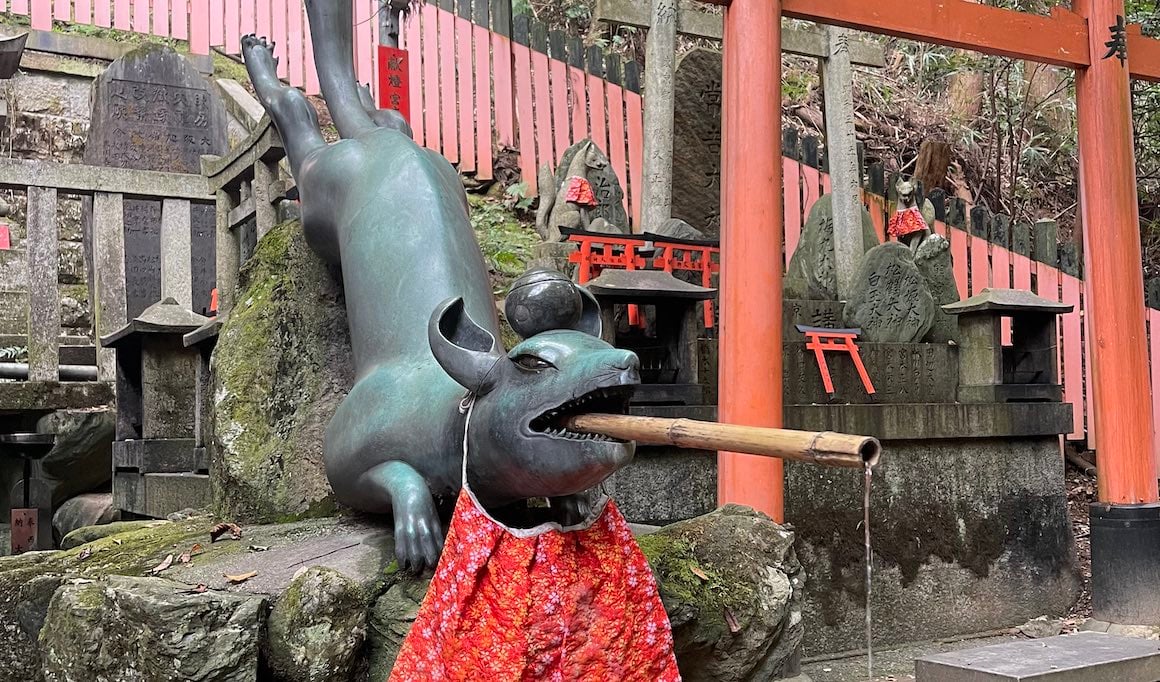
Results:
[26, 445]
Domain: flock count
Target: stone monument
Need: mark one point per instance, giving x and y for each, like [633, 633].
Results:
[891, 303]
[697, 141]
[812, 271]
[152, 110]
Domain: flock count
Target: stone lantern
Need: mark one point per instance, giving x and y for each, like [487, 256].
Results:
[156, 467]
[1026, 371]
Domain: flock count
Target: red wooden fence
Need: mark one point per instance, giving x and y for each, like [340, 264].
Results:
[475, 91]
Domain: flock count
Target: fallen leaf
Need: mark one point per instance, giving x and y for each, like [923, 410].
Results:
[238, 579]
[117, 542]
[259, 548]
[185, 558]
[222, 528]
[166, 563]
[200, 588]
[731, 620]
[699, 573]
[196, 549]
[85, 554]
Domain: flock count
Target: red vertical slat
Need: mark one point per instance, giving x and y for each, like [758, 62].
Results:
[1089, 385]
[980, 264]
[413, 44]
[248, 20]
[878, 216]
[262, 19]
[141, 16]
[463, 54]
[231, 30]
[1072, 348]
[522, 73]
[633, 109]
[1023, 273]
[308, 61]
[199, 27]
[578, 93]
[281, 37]
[483, 109]
[364, 18]
[597, 112]
[505, 100]
[19, 7]
[448, 124]
[615, 96]
[82, 11]
[792, 198]
[161, 15]
[1154, 343]
[542, 101]
[294, 40]
[102, 14]
[431, 76]
[180, 15]
[1001, 279]
[825, 180]
[62, 10]
[42, 15]
[809, 182]
[217, 11]
[959, 259]
[561, 124]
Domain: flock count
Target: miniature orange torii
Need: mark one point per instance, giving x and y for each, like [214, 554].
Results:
[1091, 38]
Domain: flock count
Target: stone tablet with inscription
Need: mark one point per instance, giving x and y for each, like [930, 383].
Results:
[892, 302]
[152, 110]
[812, 273]
[934, 262]
[697, 141]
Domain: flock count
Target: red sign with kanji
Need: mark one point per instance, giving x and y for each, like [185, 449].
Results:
[394, 85]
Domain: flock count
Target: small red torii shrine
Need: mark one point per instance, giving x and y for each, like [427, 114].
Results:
[751, 215]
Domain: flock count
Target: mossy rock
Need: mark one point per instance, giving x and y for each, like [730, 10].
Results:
[282, 365]
[317, 628]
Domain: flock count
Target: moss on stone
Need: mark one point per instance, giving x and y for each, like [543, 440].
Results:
[77, 292]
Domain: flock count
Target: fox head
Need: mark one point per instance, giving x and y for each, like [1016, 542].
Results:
[518, 446]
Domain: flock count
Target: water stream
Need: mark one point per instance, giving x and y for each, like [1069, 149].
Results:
[869, 560]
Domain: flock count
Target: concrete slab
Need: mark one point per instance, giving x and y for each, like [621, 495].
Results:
[1080, 657]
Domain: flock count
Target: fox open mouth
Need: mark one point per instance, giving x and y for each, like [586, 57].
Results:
[606, 400]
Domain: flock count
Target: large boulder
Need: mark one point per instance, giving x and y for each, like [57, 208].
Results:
[317, 628]
[82, 511]
[281, 367]
[142, 629]
[892, 301]
[812, 274]
[81, 460]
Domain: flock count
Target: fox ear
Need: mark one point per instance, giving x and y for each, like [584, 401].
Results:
[466, 351]
[590, 322]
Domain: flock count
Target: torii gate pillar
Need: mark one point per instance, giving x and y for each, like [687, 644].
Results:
[751, 225]
[1125, 523]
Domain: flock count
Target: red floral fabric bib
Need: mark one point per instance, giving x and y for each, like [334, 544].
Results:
[906, 221]
[548, 603]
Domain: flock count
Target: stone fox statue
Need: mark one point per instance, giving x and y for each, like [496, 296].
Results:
[423, 323]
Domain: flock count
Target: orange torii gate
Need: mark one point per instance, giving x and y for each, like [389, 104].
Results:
[1091, 38]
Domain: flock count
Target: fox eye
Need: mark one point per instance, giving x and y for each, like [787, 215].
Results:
[533, 363]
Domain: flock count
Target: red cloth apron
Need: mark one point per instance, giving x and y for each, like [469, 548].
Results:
[546, 603]
[906, 221]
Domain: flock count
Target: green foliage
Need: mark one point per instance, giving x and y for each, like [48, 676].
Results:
[516, 196]
[506, 242]
[13, 354]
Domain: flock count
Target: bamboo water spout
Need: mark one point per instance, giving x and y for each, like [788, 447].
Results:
[823, 448]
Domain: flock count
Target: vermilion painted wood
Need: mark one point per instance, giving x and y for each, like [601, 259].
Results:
[578, 94]
[633, 106]
[431, 109]
[231, 29]
[616, 139]
[281, 36]
[980, 264]
[1001, 279]
[825, 180]
[262, 19]
[295, 52]
[542, 104]
[19, 7]
[41, 17]
[1091, 422]
[1072, 351]
[83, 10]
[1060, 39]
[62, 10]
[162, 15]
[102, 12]
[199, 27]
[248, 21]
[810, 184]
[412, 42]
[483, 109]
[526, 142]
[504, 90]
[597, 111]
[1154, 344]
[122, 15]
[875, 205]
[364, 20]
[180, 20]
[448, 129]
[561, 119]
[751, 383]
[141, 16]
[1145, 63]
[217, 11]
[308, 62]
[791, 200]
[463, 56]
[1023, 274]
[958, 240]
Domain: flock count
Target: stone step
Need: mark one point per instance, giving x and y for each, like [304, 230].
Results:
[1081, 657]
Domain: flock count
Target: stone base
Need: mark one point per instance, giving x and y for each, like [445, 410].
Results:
[159, 495]
[1083, 656]
[664, 485]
